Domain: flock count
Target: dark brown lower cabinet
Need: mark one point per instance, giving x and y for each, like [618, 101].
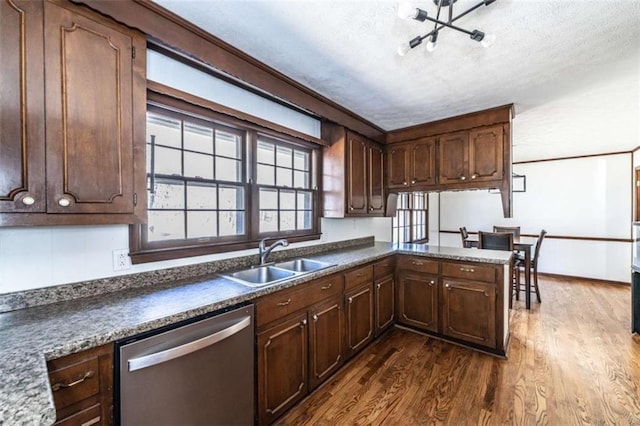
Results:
[326, 340]
[469, 311]
[418, 300]
[385, 304]
[282, 367]
[359, 313]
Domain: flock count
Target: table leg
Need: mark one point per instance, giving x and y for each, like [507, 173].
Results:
[527, 277]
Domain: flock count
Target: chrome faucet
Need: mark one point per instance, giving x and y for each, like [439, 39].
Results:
[264, 252]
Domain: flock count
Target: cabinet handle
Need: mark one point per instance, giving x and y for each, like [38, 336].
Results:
[474, 176]
[285, 303]
[315, 318]
[56, 387]
[327, 287]
[413, 262]
[463, 178]
[350, 300]
[303, 323]
[28, 200]
[64, 202]
[467, 269]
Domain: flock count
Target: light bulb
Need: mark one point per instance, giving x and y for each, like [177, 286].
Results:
[406, 10]
[403, 49]
[488, 40]
[431, 45]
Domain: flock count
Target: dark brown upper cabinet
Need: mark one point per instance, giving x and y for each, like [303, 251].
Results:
[79, 157]
[412, 164]
[353, 174]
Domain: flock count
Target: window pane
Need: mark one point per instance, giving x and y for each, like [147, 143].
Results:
[304, 201]
[201, 196]
[266, 153]
[287, 220]
[198, 165]
[168, 195]
[284, 157]
[228, 144]
[167, 130]
[268, 221]
[198, 138]
[268, 199]
[283, 177]
[300, 160]
[266, 175]
[165, 225]
[287, 200]
[300, 179]
[201, 224]
[304, 220]
[231, 223]
[168, 161]
[229, 170]
[231, 198]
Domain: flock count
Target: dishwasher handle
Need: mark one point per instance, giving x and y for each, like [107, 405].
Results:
[187, 348]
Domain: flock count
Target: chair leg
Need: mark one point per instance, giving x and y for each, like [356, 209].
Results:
[517, 286]
[535, 283]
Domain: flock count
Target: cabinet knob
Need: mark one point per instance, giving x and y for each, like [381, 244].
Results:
[463, 178]
[64, 202]
[474, 176]
[413, 181]
[447, 286]
[350, 208]
[303, 322]
[350, 300]
[379, 285]
[432, 283]
[315, 318]
[370, 208]
[405, 183]
[28, 200]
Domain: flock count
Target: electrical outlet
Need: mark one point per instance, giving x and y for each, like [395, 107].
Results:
[121, 260]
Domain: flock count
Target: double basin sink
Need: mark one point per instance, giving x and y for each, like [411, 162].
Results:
[270, 274]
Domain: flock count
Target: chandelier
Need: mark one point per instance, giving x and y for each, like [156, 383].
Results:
[407, 11]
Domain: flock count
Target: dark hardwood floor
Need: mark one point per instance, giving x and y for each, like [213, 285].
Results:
[571, 361]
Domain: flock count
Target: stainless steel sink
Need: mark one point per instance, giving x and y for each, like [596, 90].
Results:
[266, 275]
[302, 265]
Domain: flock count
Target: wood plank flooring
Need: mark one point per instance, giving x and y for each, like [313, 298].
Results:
[572, 361]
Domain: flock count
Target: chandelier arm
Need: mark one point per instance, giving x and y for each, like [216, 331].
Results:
[448, 25]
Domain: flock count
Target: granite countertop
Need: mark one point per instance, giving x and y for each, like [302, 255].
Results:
[32, 336]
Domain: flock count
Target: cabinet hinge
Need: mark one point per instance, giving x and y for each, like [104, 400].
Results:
[135, 199]
[133, 52]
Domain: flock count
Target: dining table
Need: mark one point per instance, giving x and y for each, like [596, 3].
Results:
[523, 244]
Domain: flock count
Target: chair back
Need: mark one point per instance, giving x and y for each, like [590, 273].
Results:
[495, 240]
[515, 230]
[464, 235]
[538, 244]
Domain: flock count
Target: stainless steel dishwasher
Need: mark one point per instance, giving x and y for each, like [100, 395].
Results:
[199, 372]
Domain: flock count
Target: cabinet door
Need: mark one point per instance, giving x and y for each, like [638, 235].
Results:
[485, 154]
[376, 180]
[89, 125]
[384, 304]
[418, 300]
[469, 311]
[22, 168]
[398, 166]
[326, 341]
[423, 162]
[359, 313]
[356, 181]
[454, 158]
[282, 367]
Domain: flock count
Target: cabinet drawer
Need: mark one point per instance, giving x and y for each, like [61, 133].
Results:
[418, 264]
[469, 271]
[73, 383]
[87, 417]
[285, 302]
[384, 268]
[358, 276]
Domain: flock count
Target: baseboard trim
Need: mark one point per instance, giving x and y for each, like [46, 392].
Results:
[573, 277]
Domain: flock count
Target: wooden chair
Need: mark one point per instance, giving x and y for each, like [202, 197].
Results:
[502, 241]
[515, 230]
[534, 269]
[464, 235]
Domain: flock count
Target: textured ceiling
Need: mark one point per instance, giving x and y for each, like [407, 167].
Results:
[568, 65]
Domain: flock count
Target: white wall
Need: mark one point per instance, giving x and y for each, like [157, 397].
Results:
[581, 197]
[35, 257]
